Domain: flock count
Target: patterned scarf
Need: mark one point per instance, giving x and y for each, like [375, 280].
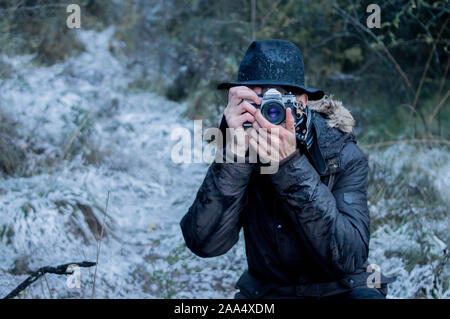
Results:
[305, 133]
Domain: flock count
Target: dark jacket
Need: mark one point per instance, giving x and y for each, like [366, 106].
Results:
[301, 238]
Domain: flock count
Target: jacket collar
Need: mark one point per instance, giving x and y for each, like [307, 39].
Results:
[337, 116]
[332, 127]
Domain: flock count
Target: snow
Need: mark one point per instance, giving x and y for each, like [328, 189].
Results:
[143, 253]
[148, 193]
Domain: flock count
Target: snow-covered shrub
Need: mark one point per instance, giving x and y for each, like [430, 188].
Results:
[408, 200]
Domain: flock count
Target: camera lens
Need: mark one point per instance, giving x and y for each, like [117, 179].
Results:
[274, 112]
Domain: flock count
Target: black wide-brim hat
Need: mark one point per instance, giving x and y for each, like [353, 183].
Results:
[274, 62]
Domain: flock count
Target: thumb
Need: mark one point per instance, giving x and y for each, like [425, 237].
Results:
[289, 120]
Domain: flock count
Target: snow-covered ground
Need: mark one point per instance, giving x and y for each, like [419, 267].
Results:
[142, 254]
[409, 205]
[54, 215]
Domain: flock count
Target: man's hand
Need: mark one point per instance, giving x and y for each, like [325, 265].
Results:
[239, 111]
[236, 113]
[273, 142]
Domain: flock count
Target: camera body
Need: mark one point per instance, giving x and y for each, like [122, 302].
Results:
[273, 106]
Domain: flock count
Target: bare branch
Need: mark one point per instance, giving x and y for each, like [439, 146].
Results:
[271, 11]
[438, 107]
[427, 66]
[356, 22]
[58, 270]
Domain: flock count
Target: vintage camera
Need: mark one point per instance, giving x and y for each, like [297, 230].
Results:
[273, 106]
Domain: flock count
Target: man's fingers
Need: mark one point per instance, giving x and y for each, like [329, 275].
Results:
[253, 144]
[262, 134]
[245, 117]
[259, 146]
[240, 136]
[246, 107]
[263, 144]
[238, 93]
[256, 125]
[259, 134]
[274, 139]
[290, 120]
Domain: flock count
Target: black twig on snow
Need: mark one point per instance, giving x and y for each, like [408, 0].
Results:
[59, 270]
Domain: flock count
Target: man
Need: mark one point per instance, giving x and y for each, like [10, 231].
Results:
[306, 226]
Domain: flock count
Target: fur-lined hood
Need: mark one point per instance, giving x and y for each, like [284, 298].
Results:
[335, 113]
